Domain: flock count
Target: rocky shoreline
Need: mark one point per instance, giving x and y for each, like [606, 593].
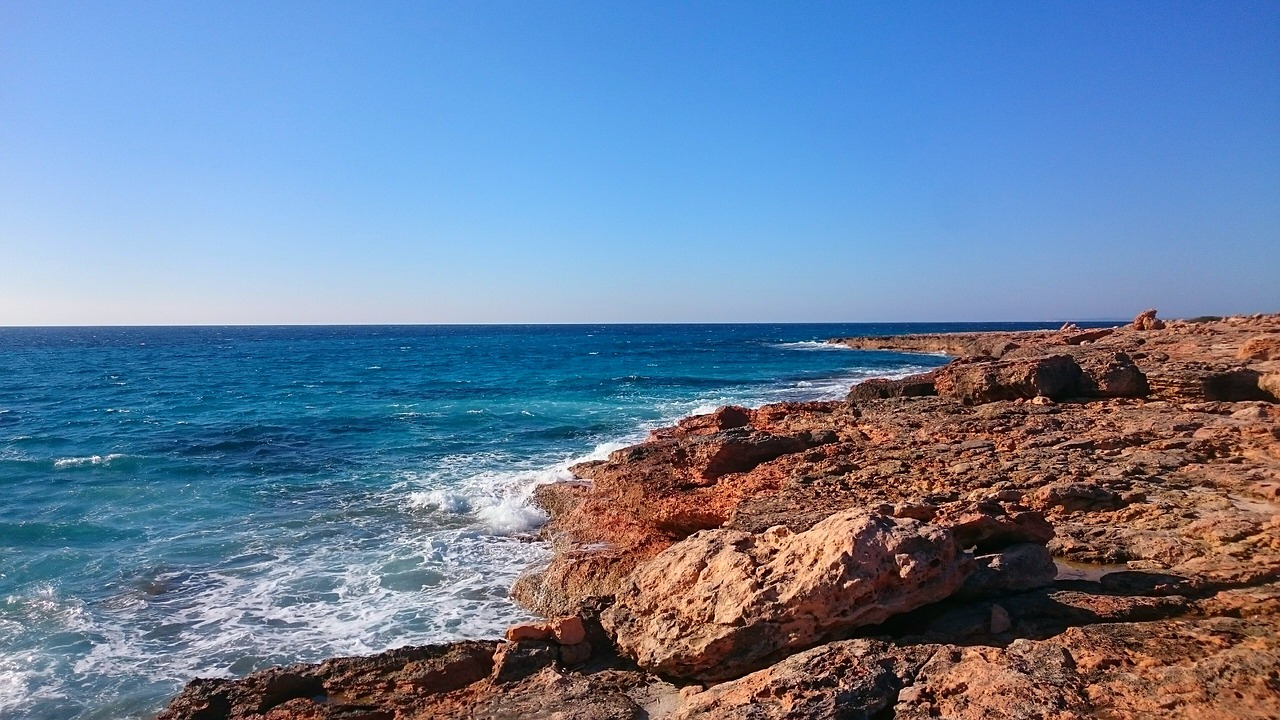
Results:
[1069, 524]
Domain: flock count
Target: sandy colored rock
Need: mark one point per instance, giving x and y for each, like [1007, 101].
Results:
[527, 631]
[1261, 347]
[978, 381]
[568, 630]
[1147, 320]
[850, 679]
[721, 602]
[879, 388]
[1165, 515]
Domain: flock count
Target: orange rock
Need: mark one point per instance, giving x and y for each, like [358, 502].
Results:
[715, 604]
[528, 631]
[568, 630]
[1261, 347]
[1147, 320]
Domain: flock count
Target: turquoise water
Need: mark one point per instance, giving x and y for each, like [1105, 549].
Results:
[210, 501]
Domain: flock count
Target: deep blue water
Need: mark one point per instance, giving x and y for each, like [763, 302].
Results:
[178, 502]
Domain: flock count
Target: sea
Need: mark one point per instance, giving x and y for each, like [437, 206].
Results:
[210, 501]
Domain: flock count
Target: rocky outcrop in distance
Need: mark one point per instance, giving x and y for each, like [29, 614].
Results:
[1064, 524]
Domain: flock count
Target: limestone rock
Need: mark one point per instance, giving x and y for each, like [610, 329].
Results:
[990, 526]
[1270, 384]
[412, 671]
[1079, 338]
[1111, 375]
[1147, 320]
[848, 679]
[722, 601]
[1261, 347]
[1017, 568]
[1074, 497]
[978, 381]
[879, 388]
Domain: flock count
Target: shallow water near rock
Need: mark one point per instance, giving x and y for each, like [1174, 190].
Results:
[181, 502]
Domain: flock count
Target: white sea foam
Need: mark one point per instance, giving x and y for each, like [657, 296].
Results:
[89, 460]
[442, 500]
[811, 345]
[500, 502]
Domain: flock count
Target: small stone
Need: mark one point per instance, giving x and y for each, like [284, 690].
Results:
[1000, 620]
[910, 695]
[1042, 400]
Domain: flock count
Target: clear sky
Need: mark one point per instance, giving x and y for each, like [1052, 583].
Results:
[534, 161]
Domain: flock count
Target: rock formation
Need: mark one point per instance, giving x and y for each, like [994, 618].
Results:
[1103, 509]
[716, 604]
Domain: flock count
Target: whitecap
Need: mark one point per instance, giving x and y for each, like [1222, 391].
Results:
[448, 502]
[811, 345]
[71, 462]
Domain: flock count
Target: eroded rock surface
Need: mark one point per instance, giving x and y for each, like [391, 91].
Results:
[716, 604]
[1160, 506]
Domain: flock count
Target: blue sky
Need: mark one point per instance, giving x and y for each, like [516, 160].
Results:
[222, 162]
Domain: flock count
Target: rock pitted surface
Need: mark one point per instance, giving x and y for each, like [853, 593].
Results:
[1152, 486]
[716, 604]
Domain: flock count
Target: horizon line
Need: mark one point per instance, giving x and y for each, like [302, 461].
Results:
[562, 324]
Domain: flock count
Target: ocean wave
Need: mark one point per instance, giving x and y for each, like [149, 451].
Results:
[72, 462]
[499, 502]
[811, 345]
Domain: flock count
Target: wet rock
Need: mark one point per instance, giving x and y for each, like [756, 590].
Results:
[720, 603]
[1135, 582]
[381, 681]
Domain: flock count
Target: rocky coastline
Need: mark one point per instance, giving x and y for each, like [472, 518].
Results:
[1065, 524]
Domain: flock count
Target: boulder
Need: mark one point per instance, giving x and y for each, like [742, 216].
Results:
[727, 417]
[702, 458]
[1147, 320]
[724, 602]
[974, 381]
[1017, 568]
[1111, 375]
[991, 526]
[879, 388]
